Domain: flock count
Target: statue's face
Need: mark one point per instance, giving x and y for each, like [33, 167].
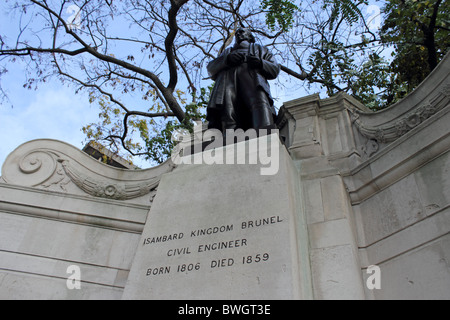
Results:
[243, 34]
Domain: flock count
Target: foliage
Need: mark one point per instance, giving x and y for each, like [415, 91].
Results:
[279, 12]
[161, 144]
[419, 30]
[376, 73]
[336, 47]
[348, 9]
[344, 54]
[143, 63]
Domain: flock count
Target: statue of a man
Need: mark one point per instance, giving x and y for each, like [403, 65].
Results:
[241, 96]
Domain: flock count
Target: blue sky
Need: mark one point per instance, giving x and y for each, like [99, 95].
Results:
[54, 111]
[50, 112]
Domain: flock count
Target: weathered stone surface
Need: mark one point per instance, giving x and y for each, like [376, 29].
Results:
[234, 234]
[358, 192]
[56, 166]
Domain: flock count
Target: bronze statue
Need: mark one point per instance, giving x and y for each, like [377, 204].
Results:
[241, 96]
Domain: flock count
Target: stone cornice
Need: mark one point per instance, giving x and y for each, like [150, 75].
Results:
[432, 95]
[408, 153]
[97, 212]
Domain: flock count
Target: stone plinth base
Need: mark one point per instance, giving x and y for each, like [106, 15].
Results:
[225, 231]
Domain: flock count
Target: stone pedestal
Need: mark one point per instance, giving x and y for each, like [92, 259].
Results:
[226, 231]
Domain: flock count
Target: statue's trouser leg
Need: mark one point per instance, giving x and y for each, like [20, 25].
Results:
[255, 100]
[229, 116]
[214, 118]
[263, 119]
[246, 105]
[261, 114]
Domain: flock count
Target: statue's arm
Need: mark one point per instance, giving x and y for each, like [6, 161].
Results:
[270, 67]
[217, 65]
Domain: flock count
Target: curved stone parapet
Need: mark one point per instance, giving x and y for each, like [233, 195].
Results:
[57, 166]
[387, 125]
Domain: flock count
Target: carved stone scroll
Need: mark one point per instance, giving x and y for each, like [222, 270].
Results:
[56, 166]
[108, 188]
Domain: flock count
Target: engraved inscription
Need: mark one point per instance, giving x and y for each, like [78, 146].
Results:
[222, 245]
[193, 245]
[164, 238]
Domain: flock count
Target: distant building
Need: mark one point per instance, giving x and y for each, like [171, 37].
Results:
[101, 153]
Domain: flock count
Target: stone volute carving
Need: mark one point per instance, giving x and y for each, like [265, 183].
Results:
[57, 166]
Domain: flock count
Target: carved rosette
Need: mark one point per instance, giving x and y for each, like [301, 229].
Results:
[412, 120]
[391, 130]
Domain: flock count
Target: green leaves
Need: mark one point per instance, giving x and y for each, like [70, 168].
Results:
[280, 13]
[375, 84]
[160, 145]
[347, 9]
[419, 31]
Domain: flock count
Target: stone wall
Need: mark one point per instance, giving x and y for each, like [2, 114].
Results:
[371, 189]
[377, 191]
[60, 208]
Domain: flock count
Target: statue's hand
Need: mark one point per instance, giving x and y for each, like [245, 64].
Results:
[235, 59]
[254, 62]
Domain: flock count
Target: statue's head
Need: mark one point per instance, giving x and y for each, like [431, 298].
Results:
[244, 34]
